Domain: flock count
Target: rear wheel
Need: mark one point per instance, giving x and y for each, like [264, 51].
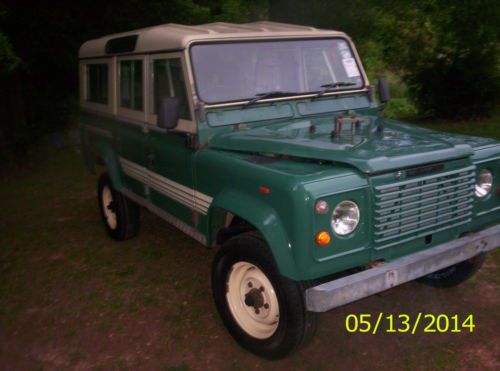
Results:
[119, 214]
[456, 274]
[263, 311]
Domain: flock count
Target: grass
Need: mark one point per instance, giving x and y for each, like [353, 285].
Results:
[56, 261]
[72, 298]
[489, 127]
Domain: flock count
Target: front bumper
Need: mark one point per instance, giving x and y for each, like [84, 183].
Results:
[345, 290]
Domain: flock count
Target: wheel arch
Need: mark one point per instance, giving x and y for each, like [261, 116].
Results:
[105, 155]
[232, 207]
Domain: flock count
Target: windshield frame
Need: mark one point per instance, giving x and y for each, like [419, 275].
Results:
[347, 90]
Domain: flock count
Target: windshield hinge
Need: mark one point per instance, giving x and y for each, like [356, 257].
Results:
[192, 141]
[202, 114]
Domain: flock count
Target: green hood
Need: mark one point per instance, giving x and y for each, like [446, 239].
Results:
[370, 150]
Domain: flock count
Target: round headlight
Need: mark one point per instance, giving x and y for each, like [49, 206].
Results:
[484, 183]
[345, 218]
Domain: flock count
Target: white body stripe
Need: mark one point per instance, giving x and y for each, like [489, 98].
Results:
[133, 170]
[190, 231]
[184, 195]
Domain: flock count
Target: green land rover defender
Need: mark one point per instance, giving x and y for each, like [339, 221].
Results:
[265, 140]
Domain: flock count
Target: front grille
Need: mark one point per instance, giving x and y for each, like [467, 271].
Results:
[418, 207]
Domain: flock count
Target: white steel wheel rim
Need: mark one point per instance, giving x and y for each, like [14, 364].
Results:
[252, 300]
[107, 207]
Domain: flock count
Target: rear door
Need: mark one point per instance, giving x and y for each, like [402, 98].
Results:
[131, 132]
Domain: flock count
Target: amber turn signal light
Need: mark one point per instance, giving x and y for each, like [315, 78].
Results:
[323, 238]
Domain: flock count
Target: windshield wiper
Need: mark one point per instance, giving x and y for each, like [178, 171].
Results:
[270, 94]
[331, 86]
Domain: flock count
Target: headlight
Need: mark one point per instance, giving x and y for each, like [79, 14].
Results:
[345, 218]
[484, 183]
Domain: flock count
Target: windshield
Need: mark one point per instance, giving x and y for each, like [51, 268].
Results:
[239, 71]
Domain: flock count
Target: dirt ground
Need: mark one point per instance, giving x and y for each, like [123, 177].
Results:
[71, 298]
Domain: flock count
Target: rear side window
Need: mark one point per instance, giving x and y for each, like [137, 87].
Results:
[169, 82]
[97, 83]
[131, 85]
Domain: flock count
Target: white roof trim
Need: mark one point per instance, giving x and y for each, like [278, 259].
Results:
[172, 36]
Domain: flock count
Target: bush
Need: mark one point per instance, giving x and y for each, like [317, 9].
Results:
[456, 87]
[447, 53]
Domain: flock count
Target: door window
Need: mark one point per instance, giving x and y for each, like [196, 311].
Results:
[169, 82]
[131, 85]
[97, 83]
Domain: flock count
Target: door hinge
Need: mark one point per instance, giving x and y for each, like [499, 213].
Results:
[151, 158]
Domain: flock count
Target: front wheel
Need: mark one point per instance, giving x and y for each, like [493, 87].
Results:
[263, 311]
[456, 274]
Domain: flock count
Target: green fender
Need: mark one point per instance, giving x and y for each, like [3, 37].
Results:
[106, 153]
[267, 222]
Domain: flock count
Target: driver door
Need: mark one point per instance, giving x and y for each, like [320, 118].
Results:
[170, 156]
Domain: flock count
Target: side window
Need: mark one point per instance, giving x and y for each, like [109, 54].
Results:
[97, 83]
[169, 82]
[131, 84]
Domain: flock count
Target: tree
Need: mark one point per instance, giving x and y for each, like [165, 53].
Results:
[447, 53]
[41, 97]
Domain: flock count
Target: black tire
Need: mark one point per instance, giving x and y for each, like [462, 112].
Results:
[126, 222]
[295, 326]
[454, 275]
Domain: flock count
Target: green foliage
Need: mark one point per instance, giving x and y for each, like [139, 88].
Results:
[441, 53]
[8, 59]
[373, 59]
[41, 97]
[238, 11]
[447, 53]
[400, 106]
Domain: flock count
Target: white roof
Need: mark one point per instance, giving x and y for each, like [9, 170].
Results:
[173, 36]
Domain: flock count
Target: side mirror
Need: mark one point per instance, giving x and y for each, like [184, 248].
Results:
[383, 90]
[168, 112]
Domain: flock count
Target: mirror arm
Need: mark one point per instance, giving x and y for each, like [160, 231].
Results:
[371, 92]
